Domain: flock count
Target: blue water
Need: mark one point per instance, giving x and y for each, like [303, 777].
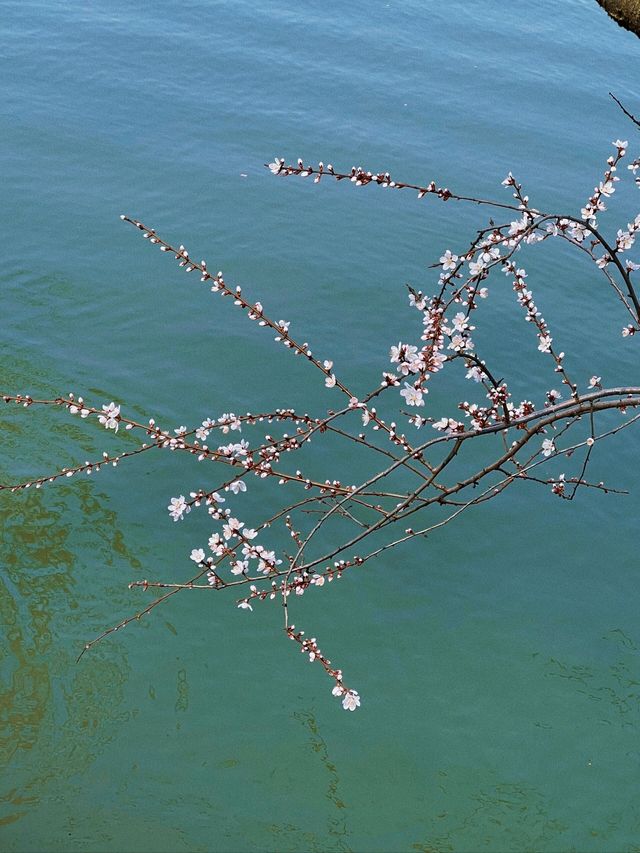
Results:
[498, 661]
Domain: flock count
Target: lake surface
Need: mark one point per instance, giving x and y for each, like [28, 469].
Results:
[499, 661]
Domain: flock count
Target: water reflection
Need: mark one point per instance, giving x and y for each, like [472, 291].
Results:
[56, 717]
[337, 830]
[489, 816]
[614, 687]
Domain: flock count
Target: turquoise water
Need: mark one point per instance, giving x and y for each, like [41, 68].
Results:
[498, 662]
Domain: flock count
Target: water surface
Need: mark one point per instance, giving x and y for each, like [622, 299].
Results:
[499, 665]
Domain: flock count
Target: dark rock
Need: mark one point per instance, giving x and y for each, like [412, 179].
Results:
[624, 12]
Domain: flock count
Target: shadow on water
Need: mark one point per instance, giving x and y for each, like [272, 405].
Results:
[55, 717]
[516, 817]
[292, 837]
[469, 811]
[614, 690]
[337, 824]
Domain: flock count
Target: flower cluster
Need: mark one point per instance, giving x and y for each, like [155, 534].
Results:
[417, 480]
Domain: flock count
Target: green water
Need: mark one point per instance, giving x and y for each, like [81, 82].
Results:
[499, 661]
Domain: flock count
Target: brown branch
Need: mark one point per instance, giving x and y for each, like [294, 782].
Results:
[625, 110]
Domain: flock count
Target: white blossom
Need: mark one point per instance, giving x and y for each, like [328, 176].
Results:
[110, 417]
[216, 543]
[548, 447]
[474, 373]
[232, 528]
[545, 343]
[460, 322]
[178, 507]
[351, 700]
[448, 260]
[197, 555]
[412, 396]
[476, 267]
[417, 301]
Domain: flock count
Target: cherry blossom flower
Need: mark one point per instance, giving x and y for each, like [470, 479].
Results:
[216, 543]
[607, 188]
[578, 232]
[402, 352]
[238, 486]
[476, 267]
[594, 382]
[448, 260]
[412, 396]
[545, 343]
[351, 700]
[268, 561]
[178, 507]
[461, 322]
[548, 447]
[232, 528]
[449, 425]
[624, 240]
[417, 300]
[474, 373]
[197, 555]
[110, 417]
[229, 421]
